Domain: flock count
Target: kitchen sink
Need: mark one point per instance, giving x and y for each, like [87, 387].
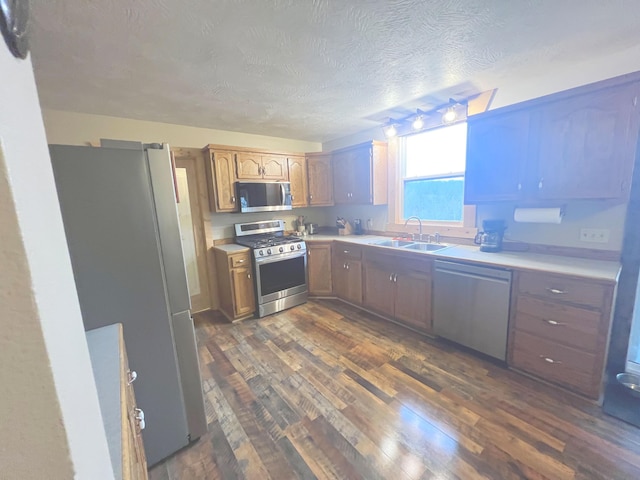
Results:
[394, 243]
[426, 247]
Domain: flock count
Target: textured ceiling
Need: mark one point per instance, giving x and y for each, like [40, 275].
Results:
[304, 69]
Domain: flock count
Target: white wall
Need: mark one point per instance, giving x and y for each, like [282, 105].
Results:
[69, 128]
[51, 424]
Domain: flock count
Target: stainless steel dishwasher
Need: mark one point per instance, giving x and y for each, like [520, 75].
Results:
[471, 306]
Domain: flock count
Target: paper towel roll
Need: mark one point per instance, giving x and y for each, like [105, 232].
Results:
[538, 215]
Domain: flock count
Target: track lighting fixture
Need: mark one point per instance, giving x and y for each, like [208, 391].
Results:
[450, 112]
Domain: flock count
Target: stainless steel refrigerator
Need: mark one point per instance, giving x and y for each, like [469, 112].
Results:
[120, 217]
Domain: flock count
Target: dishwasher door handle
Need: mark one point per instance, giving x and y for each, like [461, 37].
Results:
[474, 275]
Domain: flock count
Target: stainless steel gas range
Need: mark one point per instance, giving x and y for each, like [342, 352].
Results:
[279, 264]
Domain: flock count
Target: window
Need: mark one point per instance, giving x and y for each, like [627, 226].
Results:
[432, 170]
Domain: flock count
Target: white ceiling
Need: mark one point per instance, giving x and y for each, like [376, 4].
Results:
[310, 69]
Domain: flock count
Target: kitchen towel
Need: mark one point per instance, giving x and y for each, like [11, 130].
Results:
[538, 215]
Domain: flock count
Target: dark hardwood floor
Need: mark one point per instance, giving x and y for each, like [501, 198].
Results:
[326, 391]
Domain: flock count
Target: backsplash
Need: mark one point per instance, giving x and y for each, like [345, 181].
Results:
[578, 215]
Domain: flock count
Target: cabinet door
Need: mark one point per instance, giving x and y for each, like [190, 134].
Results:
[360, 170]
[319, 269]
[497, 149]
[585, 144]
[413, 297]
[249, 166]
[379, 287]
[242, 284]
[274, 167]
[225, 189]
[298, 179]
[342, 177]
[347, 279]
[320, 181]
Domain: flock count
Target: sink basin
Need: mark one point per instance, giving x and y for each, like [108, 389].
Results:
[426, 247]
[394, 243]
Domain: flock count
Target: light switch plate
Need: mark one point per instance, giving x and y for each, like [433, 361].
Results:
[594, 235]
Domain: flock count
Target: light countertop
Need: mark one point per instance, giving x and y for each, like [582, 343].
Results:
[232, 248]
[581, 267]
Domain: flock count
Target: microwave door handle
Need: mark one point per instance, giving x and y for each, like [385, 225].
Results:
[282, 194]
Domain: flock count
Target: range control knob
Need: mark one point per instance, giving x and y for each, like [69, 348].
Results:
[281, 249]
[299, 246]
[292, 247]
[268, 251]
[261, 253]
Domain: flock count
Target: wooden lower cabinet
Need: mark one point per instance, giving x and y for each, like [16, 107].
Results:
[560, 329]
[134, 460]
[346, 272]
[319, 269]
[399, 288]
[235, 283]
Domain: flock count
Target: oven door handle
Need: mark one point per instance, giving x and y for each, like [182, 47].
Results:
[278, 258]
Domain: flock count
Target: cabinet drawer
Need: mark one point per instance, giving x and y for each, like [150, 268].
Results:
[239, 260]
[555, 362]
[565, 324]
[561, 288]
[347, 251]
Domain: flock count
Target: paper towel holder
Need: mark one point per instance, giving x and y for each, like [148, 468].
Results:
[552, 215]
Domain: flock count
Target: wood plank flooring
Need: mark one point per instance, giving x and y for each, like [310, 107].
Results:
[326, 391]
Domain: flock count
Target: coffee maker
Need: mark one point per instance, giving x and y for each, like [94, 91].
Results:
[490, 239]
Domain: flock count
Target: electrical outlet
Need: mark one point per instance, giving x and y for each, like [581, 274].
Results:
[594, 235]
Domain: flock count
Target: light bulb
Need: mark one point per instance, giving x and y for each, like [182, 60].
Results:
[449, 116]
[418, 123]
[390, 131]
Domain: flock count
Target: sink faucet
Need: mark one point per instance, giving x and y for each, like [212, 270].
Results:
[437, 235]
[413, 217]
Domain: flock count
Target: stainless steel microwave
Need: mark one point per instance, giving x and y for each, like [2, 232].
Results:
[264, 197]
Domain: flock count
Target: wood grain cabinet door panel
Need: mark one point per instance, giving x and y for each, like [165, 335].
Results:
[224, 167]
[413, 298]
[274, 167]
[320, 176]
[319, 269]
[248, 166]
[379, 287]
[497, 149]
[244, 299]
[297, 167]
[584, 144]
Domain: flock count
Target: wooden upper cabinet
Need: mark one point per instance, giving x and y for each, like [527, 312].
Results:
[497, 147]
[257, 166]
[585, 143]
[298, 177]
[220, 167]
[577, 146]
[320, 175]
[360, 174]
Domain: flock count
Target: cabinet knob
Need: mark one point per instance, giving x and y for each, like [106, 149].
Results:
[233, 199]
[292, 198]
[550, 360]
[344, 265]
[540, 184]
[391, 277]
[248, 275]
[395, 278]
[310, 197]
[555, 291]
[139, 416]
[241, 260]
[132, 375]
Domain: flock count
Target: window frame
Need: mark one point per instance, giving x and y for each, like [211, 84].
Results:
[396, 223]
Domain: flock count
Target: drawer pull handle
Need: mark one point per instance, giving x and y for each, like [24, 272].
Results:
[132, 374]
[553, 322]
[240, 261]
[345, 251]
[139, 416]
[550, 360]
[555, 291]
